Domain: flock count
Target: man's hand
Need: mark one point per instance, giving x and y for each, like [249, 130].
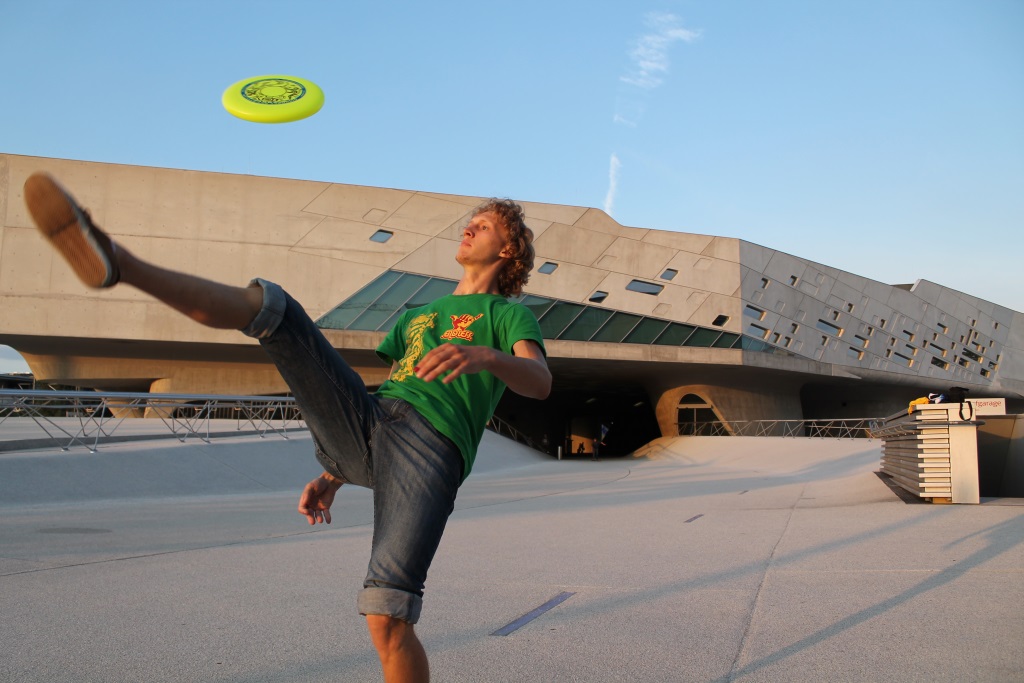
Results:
[525, 371]
[315, 501]
[455, 359]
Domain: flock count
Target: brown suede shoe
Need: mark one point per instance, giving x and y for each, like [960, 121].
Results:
[70, 229]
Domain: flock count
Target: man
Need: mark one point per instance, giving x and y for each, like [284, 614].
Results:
[451, 361]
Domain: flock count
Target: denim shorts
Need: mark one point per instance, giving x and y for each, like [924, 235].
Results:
[380, 443]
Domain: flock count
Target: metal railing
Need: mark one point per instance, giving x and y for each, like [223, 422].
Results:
[84, 418]
[502, 428]
[852, 428]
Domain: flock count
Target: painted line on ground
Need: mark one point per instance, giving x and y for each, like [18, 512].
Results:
[530, 616]
[694, 518]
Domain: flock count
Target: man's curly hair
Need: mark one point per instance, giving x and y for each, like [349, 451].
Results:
[519, 245]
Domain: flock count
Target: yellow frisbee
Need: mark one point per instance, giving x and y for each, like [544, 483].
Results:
[273, 99]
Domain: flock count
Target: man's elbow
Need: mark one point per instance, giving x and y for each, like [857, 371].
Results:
[543, 386]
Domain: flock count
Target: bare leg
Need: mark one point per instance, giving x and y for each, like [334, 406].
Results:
[401, 654]
[101, 263]
[211, 303]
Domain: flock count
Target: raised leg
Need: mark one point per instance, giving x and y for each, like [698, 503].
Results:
[99, 262]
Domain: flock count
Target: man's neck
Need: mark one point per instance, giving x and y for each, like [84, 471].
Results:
[478, 282]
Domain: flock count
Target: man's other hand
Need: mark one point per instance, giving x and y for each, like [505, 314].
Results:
[316, 499]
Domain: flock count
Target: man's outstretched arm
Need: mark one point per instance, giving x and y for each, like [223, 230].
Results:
[526, 372]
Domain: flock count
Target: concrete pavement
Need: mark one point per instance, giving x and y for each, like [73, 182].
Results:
[710, 559]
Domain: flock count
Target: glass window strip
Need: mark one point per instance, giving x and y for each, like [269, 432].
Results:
[433, 289]
[388, 303]
[558, 318]
[615, 327]
[703, 337]
[675, 334]
[342, 315]
[727, 340]
[646, 331]
[539, 305]
[586, 324]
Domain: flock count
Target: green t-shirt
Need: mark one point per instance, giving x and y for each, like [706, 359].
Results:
[459, 410]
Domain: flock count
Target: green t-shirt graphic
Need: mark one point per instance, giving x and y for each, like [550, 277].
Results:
[459, 410]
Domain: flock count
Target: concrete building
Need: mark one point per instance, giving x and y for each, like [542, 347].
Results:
[648, 331]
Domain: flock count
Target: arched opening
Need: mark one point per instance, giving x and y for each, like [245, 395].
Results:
[692, 413]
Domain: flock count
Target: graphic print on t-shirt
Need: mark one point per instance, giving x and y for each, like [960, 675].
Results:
[418, 326]
[460, 327]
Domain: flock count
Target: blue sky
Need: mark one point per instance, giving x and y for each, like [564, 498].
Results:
[881, 137]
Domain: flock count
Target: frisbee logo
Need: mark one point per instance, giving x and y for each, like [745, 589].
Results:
[273, 91]
[272, 98]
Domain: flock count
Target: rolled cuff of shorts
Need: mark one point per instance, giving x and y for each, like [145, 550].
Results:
[271, 313]
[390, 602]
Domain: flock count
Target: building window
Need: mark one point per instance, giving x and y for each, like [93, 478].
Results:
[598, 296]
[906, 361]
[940, 363]
[720, 320]
[669, 274]
[753, 312]
[547, 268]
[757, 331]
[381, 236]
[826, 326]
[645, 287]
[854, 353]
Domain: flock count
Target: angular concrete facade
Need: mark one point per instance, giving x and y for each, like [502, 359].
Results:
[795, 339]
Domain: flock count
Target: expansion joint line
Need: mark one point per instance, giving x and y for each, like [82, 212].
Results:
[741, 650]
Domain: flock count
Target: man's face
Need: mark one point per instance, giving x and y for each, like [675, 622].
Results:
[483, 240]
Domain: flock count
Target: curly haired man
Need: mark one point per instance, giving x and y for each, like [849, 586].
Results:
[451, 361]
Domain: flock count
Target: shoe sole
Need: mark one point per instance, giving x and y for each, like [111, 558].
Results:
[57, 217]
